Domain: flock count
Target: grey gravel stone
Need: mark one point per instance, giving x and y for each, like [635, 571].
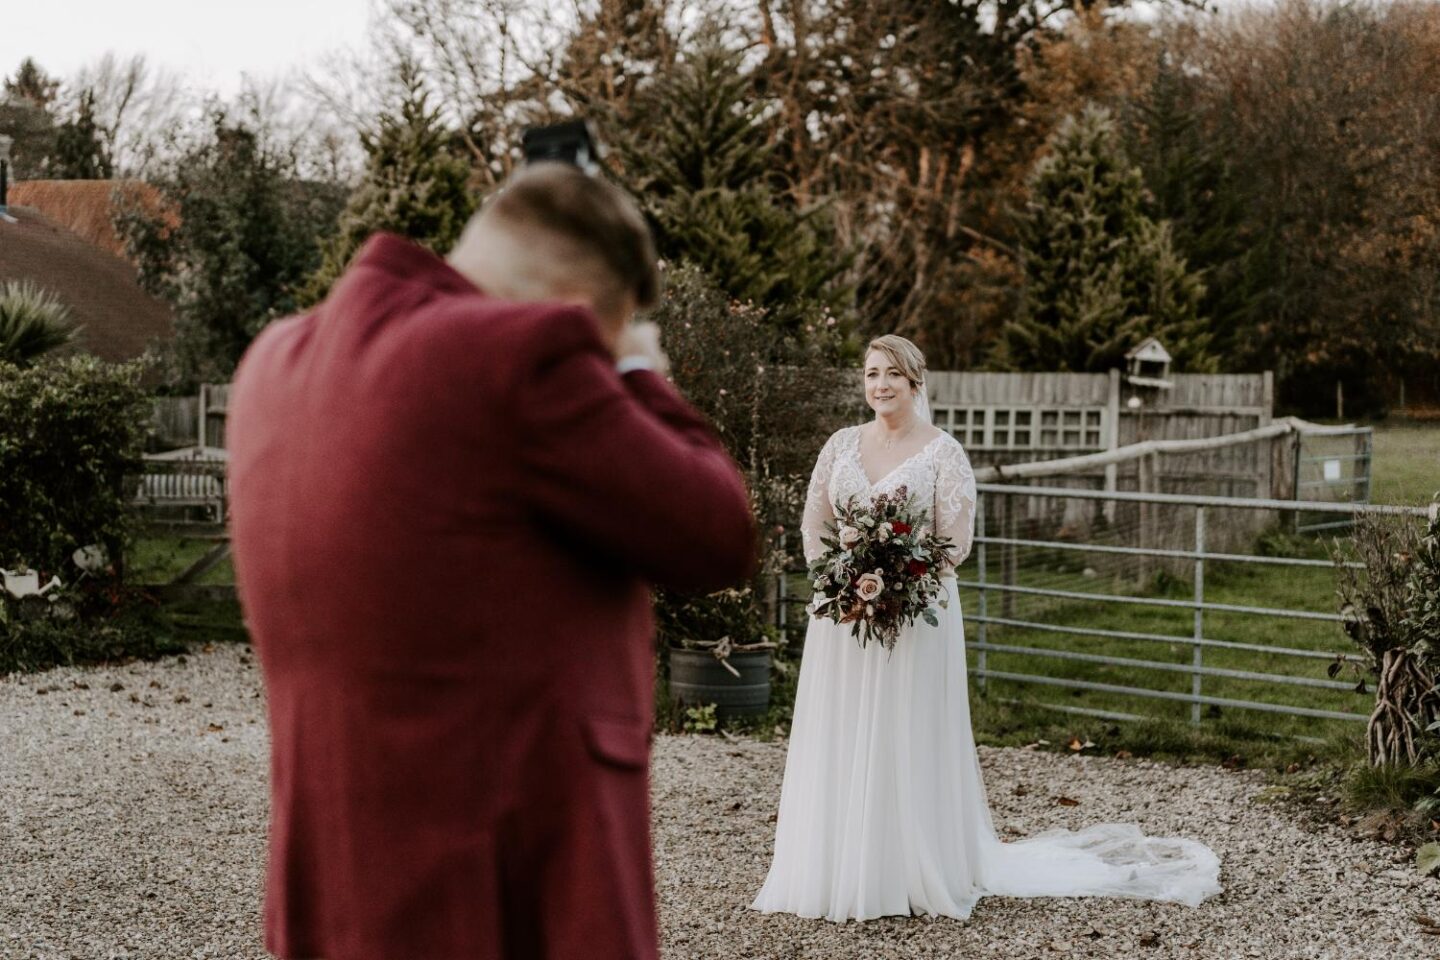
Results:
[133, 807]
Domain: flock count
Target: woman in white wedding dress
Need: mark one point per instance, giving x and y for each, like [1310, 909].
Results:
[883, 810]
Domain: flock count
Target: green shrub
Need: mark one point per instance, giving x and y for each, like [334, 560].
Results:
[773, 401]
[1390, 609]
[70, 432]
[94, 620]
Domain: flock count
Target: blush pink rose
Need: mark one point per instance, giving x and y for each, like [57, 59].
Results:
[869, 586]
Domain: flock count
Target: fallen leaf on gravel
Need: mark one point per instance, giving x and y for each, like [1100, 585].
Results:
[1077, 744]
[215, 727]
[116, 687]
[1150, 939]
[1427, 859]
[1123, 754]
[1067, 801]
[182, 699]
[1021, 790]
[77, 685]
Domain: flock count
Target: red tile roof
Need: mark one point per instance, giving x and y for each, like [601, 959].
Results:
[100, 287]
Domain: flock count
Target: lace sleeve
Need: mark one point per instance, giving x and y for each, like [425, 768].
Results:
[955, 499]
[818, 509]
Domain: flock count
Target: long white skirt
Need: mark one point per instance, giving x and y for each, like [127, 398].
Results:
[883, 808]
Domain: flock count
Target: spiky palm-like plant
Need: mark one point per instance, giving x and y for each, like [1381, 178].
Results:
[33, 322]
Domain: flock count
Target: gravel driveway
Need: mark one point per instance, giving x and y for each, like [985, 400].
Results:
[132, 813]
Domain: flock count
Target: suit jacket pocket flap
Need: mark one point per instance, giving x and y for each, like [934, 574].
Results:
[622, 742]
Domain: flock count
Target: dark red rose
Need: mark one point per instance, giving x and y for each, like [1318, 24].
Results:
[902, 528]
[918, 568]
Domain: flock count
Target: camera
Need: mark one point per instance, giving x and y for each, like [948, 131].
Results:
[572, 142]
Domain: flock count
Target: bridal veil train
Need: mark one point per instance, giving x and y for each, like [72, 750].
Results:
[883, 809]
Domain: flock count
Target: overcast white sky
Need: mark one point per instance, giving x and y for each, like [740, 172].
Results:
[213, 42]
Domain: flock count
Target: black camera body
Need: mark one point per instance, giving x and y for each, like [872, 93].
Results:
[572, 142]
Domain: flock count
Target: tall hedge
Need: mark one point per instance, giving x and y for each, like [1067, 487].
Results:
[70, 431]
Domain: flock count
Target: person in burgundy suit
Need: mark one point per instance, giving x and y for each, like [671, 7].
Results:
[453, 484]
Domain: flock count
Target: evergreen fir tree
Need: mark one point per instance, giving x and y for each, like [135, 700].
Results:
[704, 174]
[80, 153]
[26, 117]
[237, 233]
[1188, 172]
[414, 184]
[1100, 275]
[32, 84]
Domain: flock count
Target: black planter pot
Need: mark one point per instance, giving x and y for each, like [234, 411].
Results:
[697, 678]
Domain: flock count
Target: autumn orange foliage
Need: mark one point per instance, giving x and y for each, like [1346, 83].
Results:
[85, 207]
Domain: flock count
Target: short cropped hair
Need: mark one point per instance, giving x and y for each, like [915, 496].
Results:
[589, 212]
[906, 357]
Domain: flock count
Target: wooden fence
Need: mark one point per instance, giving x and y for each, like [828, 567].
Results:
[190, 421]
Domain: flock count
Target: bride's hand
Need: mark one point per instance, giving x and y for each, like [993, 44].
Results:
[643, 340]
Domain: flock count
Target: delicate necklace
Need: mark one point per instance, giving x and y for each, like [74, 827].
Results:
[890, 441]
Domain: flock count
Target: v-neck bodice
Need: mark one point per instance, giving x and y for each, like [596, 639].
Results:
[860, 461]
[938, 476]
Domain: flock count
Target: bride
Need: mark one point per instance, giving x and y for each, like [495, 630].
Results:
[883, 809]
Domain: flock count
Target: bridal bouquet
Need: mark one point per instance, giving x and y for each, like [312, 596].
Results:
[880, 569]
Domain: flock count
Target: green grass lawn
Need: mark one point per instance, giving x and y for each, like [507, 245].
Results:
[157, 559]
[1407, 464]
[160, 558]
[1309, 589]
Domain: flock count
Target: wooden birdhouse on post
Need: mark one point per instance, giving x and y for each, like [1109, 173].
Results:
[1148, 365]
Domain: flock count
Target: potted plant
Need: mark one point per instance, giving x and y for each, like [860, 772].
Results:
[719, 650]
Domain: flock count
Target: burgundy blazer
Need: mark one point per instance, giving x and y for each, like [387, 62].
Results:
[447, 511]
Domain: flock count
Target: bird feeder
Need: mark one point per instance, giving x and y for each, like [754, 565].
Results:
[1148, 365]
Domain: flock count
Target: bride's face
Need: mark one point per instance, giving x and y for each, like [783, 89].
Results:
[887, 389]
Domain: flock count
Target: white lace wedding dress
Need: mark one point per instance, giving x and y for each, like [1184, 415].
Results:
[883, 809]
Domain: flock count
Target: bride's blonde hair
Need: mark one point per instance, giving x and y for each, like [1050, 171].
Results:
[903, 354]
